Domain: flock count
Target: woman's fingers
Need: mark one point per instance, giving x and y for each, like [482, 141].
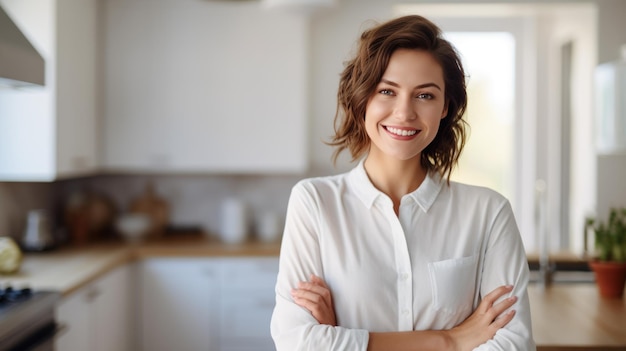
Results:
[487, 319]
[494, 310]
[497, 309]
[313, 304]
[315, 296]
[493, 296]
[501, 321]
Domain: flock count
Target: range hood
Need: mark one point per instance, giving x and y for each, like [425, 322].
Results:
[20, 63]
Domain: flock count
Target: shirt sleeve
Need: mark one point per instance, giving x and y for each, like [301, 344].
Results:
[505, 263]
[293, 327]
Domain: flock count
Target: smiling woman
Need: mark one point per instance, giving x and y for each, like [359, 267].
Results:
[402, 117]
[393, 254]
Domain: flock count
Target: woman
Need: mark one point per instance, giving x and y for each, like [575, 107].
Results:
[393, 255]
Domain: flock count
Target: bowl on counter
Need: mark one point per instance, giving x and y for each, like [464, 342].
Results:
[133, 227]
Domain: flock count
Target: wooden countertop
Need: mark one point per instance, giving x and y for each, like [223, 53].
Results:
[575, 317]
[565, 316]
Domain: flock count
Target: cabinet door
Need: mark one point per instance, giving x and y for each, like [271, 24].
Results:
[74, 314]
[219, 101]
[98, 316]
[248, 298]
[50, 132]
[112, 311]
[177, 297]
[76, 87]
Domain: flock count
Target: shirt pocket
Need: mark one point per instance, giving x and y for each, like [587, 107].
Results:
[453, 285]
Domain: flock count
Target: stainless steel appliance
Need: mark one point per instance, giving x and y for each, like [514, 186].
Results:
[27, 319]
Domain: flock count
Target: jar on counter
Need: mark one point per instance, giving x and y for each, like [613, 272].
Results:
[233, 221]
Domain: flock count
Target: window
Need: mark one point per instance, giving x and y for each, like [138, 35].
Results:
[489, 154]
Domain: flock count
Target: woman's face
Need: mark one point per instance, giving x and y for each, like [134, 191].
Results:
[402, 116]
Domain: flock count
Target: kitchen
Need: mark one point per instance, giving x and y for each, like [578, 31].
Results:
[97, 140]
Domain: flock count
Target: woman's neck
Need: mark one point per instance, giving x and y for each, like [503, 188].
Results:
[393, 177]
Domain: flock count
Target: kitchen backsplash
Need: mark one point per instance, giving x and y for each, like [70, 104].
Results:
[16, 199]
[194, 200]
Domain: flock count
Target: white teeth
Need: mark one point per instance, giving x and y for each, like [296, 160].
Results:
[401, 132]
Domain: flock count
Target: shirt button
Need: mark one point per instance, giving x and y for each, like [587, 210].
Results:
[404, 276]
[405, 311]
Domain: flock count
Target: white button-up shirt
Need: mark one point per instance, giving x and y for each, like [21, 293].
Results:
[424, 269]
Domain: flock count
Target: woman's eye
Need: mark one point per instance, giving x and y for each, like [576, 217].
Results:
[386, 92]
[425, 96]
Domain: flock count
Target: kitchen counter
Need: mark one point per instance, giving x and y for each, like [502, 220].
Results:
[565, 316]
[70, 268]
[575, 317]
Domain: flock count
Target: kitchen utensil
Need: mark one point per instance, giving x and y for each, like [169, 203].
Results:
[37, 235]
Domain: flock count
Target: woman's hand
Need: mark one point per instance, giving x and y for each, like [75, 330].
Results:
[315, 296]
[485, 321]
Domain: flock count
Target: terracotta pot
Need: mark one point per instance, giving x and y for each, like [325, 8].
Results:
[610, 277]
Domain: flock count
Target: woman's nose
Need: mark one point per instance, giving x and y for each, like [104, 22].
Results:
[404, 108]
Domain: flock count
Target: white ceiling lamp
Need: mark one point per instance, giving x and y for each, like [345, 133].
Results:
[306, 7]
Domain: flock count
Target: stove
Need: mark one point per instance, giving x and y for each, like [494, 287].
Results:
[27, 319]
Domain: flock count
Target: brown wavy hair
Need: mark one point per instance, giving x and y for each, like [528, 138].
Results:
[363, 73]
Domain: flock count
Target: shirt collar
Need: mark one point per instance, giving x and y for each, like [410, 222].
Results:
[424, 195]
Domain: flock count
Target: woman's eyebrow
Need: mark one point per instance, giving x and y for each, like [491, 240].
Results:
[421, 86]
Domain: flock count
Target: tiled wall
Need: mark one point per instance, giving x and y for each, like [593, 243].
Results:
[194, 200]
[16, 199]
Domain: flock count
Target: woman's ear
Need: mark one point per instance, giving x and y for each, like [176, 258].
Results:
[444, 113]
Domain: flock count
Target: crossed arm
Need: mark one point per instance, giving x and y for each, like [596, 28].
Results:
[478, 328]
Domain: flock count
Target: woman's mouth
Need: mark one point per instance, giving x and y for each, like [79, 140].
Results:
[402, 132]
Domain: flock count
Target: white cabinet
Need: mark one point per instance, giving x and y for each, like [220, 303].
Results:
[177, 304]
[213, 304]
[49, 132]
[204, 86]
[99, 316]
[247, 302]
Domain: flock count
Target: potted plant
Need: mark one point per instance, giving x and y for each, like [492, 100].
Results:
[609, 259]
